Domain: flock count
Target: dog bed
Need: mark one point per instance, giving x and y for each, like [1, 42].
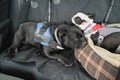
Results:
[112, 25]
[98, 62]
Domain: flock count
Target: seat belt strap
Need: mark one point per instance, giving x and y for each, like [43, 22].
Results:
[108, 12]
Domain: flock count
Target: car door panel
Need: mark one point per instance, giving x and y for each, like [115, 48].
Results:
[4, 23]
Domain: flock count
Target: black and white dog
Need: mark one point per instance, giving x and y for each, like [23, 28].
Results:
[52, 40]
[108, 38]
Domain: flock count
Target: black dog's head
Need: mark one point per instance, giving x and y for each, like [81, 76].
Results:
[71, 37]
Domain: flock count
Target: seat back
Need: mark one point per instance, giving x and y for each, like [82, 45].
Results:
[27, 10]
[61, 12]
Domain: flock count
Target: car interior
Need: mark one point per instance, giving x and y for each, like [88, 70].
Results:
[27, 64]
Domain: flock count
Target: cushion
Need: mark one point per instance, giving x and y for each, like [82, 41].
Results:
[98, 62]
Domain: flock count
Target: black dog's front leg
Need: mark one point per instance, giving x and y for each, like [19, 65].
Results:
[16, 44]
[53, 54]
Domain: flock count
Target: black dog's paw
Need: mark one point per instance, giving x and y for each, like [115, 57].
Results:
[66, 62]
[10, 56]
[10, 52]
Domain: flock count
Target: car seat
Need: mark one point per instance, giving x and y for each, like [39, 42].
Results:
[27, 64]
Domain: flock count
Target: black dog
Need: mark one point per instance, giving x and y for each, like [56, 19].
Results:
[110, 42]
[64, 37]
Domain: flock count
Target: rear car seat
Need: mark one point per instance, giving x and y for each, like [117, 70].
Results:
[26, 64]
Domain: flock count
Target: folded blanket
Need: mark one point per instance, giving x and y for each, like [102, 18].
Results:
[98, 62]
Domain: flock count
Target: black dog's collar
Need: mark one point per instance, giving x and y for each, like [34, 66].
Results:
[56, 37]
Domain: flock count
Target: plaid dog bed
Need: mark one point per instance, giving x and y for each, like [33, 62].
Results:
[98, 62]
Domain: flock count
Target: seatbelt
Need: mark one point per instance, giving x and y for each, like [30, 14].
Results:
[108, 13]
[49, 11]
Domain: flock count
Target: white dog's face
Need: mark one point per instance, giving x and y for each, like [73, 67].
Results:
[82, 20]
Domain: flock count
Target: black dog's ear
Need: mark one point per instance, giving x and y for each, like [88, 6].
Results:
[94, 37]
[97, 33]
[62, 33]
